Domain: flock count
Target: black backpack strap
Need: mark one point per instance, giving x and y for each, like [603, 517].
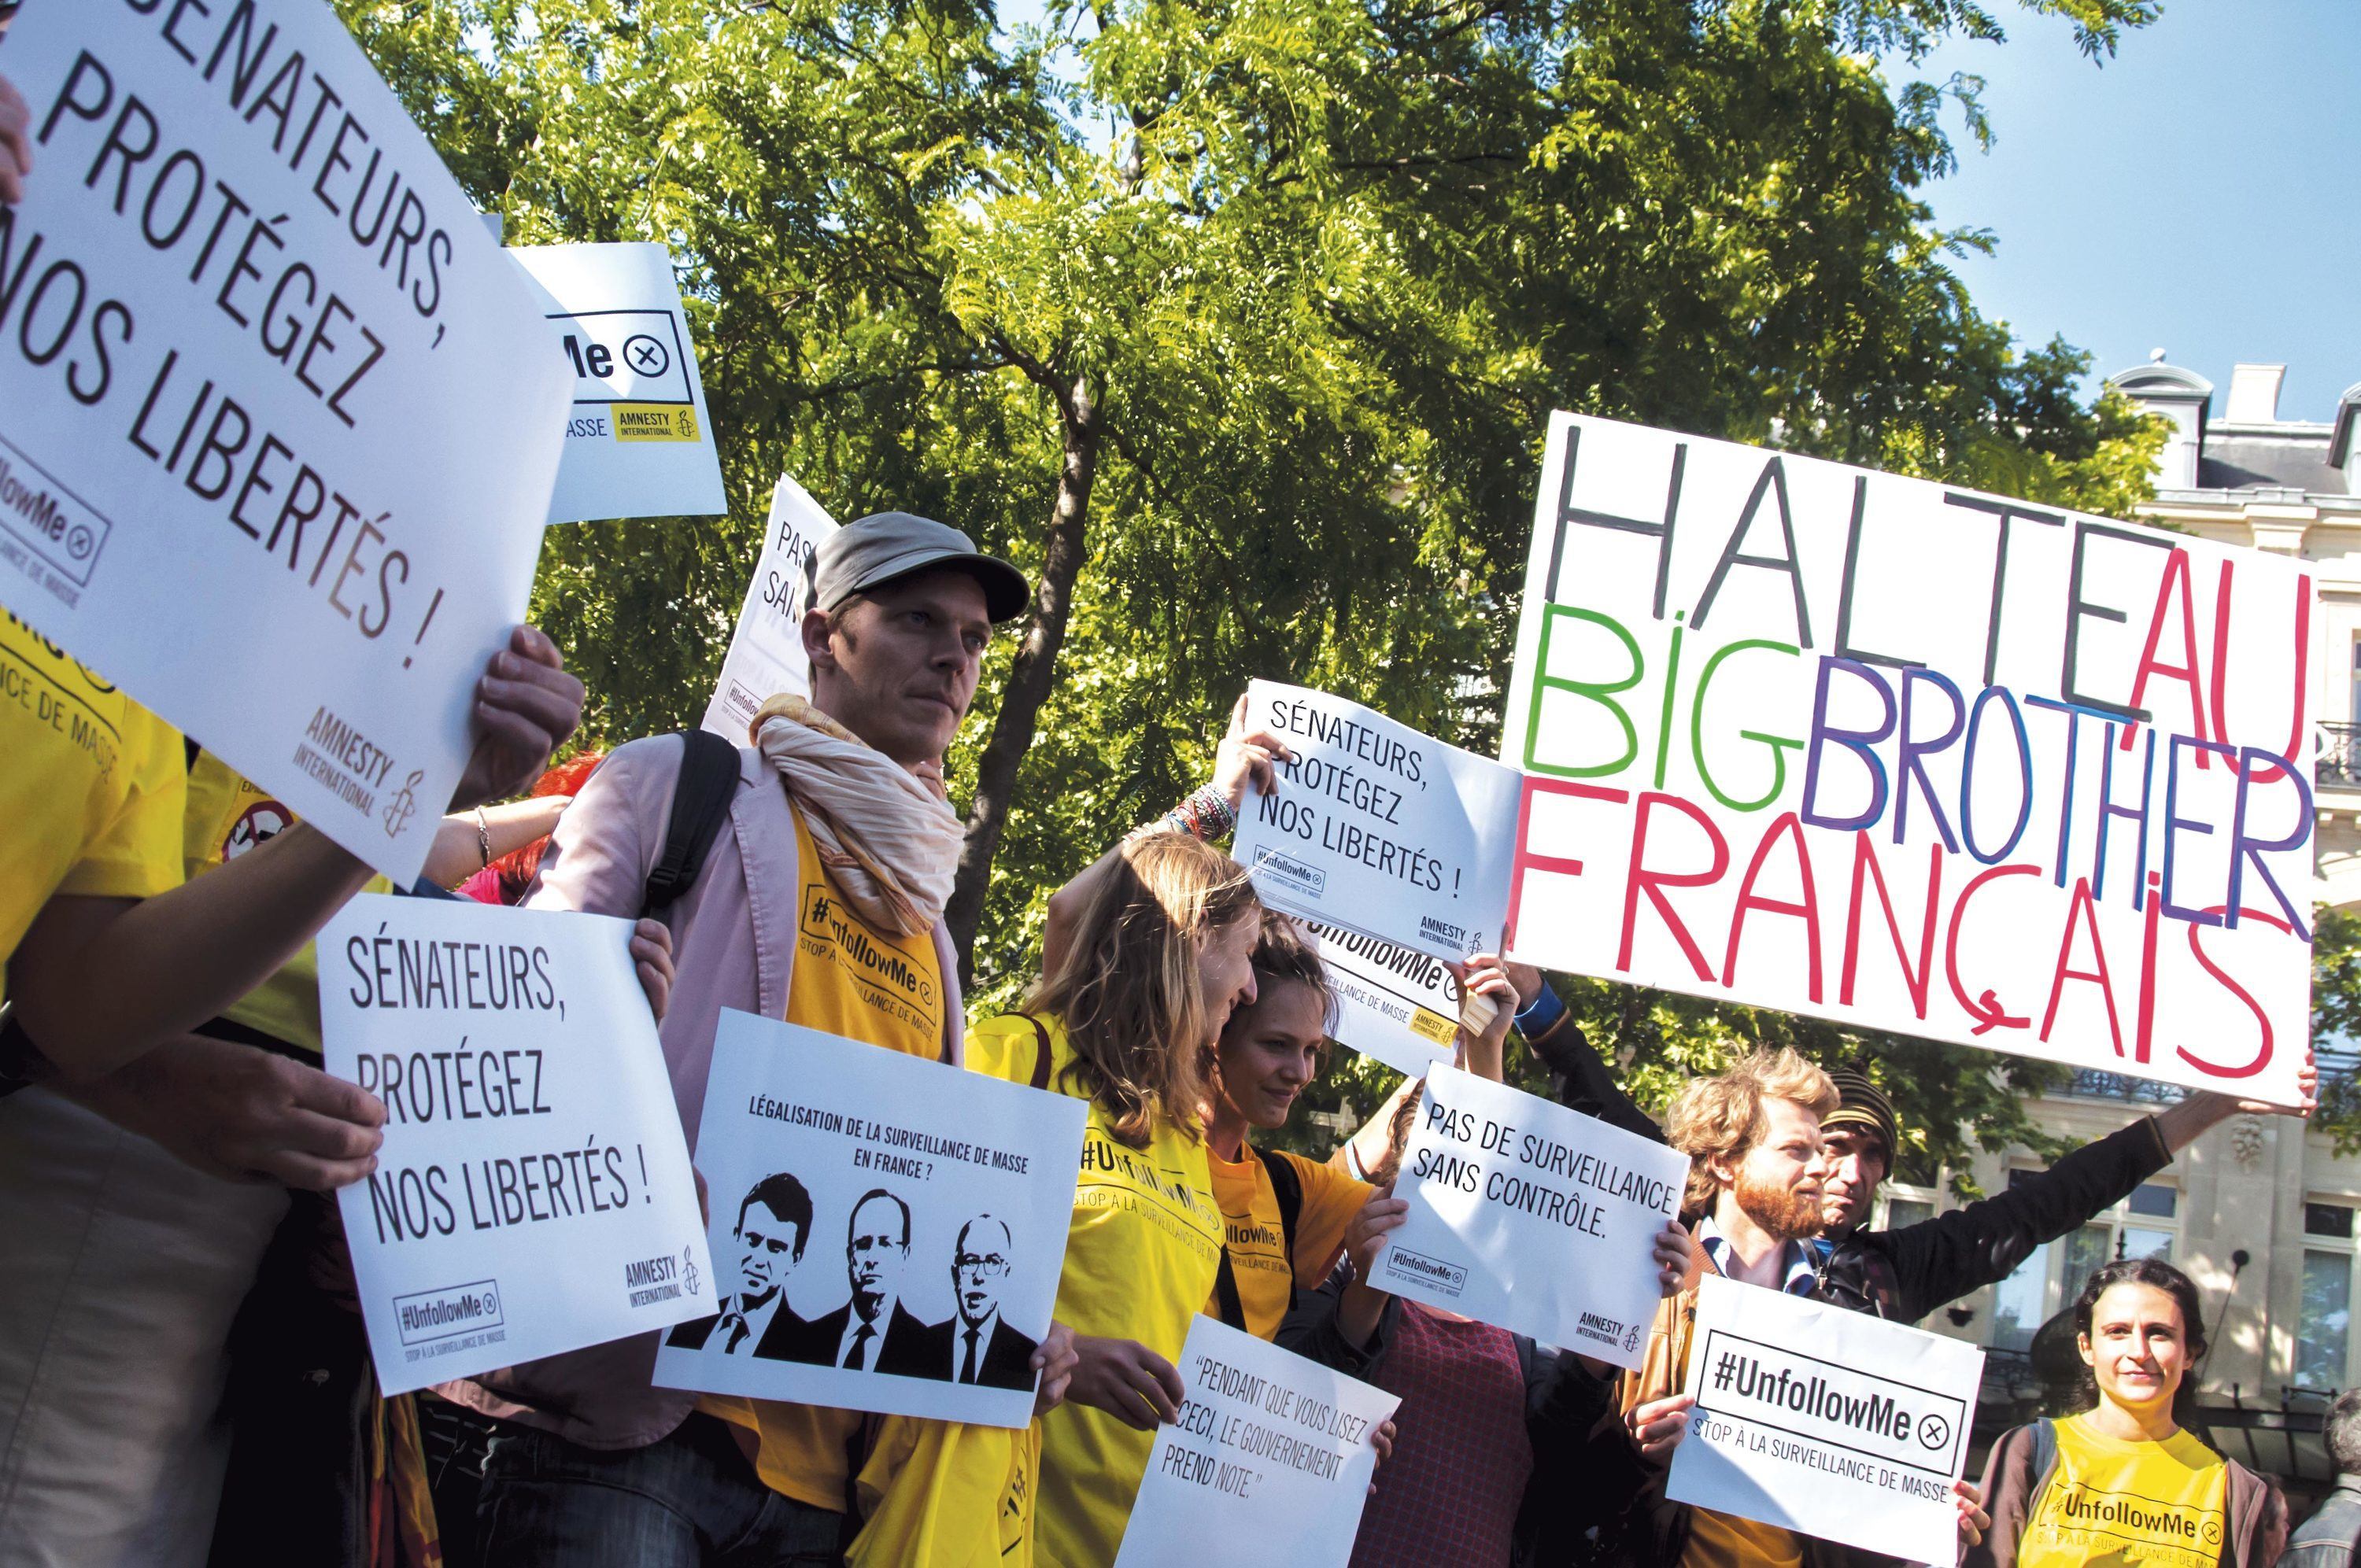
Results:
[1041, 1055]
[1286, 1186]
[708, 779]
[1226, 1294]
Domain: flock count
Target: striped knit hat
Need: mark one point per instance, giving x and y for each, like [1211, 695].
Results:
[1861, 1103]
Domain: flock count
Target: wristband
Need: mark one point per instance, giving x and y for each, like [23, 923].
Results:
[1543, 1015]
[1203, 815]
[483, 838]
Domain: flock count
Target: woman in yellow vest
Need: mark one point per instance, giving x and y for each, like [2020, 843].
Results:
[1153, 954]
[2124, 1481]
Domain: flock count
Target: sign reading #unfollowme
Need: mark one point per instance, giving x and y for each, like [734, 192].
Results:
[638, 443]
[1376, 828]
[1395, 1003]
[893, 1228]
[533, 1194]
[277, 419]
[1533, 1217]
[1271, 1457]
[766, 650]
[1833, 1423]
[1906, 756]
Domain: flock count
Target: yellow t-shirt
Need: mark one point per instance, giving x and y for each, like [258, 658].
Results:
[1140, 1260]
[228, 814]
[2164, 1504]
[856, 981]
[1725, 1540]
[91, 787]
[1258, 1236]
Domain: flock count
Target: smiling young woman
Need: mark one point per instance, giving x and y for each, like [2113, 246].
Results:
[2125, 1480]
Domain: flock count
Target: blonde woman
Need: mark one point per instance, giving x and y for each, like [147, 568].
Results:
[1149, 952]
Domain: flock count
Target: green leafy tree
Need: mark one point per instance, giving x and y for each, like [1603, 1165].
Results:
[1236, 325]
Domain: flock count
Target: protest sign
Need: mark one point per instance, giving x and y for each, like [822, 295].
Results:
[638, 443]
[1393, 1002]
[1271, 1457]
[277, 421]
[1835, 1424]
[1376, 828]
[893, 1228]
[1908, 757]
[533, 1193]
[766, 652]
[1530, 1216]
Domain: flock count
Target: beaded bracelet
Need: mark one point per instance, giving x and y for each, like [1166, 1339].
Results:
[1203, 815]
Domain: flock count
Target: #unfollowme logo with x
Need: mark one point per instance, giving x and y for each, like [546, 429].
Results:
[645, 355]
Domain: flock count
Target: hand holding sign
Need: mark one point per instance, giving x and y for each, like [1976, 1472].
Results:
[526, 705]
[16, 142]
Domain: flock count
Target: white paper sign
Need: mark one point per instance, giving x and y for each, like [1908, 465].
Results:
[533, 1194]
[1527, 1215]
[1376, 828]
[892, 1229]
[1271, 1457]
[1393, 1002]
[1908, 757]
[1835, 1424]
[766, 652]
[639, 443]
[277, 421]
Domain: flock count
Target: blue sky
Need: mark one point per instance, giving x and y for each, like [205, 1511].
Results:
[2201, 194]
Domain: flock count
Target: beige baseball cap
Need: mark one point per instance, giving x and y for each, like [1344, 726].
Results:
[889, 544]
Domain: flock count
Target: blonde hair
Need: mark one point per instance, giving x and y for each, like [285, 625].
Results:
[1720, 1118]
[1127, 989]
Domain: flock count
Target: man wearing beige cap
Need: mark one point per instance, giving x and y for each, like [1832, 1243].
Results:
[837, 804]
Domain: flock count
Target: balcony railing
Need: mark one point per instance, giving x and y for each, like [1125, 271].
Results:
[2338, 766]
[2093, 1084]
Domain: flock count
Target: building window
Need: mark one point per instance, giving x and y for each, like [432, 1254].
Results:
[1902, 1206]
[2325, 1318]
[2145, 1224]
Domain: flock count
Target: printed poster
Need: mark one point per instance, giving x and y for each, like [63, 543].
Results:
[766, 650]
[638, 441]
[1533, 1217]
[892, 1229]
[533, 1193]
[1911, 757]
[1377, 829]
[1833, 1423]
[1396, 1004]
[277, 421]
[1271, 1457]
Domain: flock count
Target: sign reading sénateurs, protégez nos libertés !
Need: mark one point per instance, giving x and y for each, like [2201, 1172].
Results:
[277, 419]
[1377, 829]
[533, 1194]
[1914, 758]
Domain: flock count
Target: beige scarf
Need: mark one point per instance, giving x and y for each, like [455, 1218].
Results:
[890, 838]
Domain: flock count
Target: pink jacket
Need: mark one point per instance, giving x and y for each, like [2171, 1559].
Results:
[733, 937]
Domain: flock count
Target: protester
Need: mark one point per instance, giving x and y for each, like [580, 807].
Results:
[516, 836]
[1146, 969]
[2331, 1538]
[1284, 1217]
[841, 798]
[1906, 1274]
[1492, 1458]
[2125, 1480]
[1756, 1173]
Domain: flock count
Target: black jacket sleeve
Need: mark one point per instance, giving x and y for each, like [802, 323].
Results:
[1940, 1260]
[1309, 1329]
[1581, 1081]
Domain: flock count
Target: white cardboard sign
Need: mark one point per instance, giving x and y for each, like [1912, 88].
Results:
[1833, 1423]
[533, 1194]
[638, 443]
[277, 421]
[1376, 828]
[1908, 757]
[766, 650]
[1396, 1004]
[1533, 1217]
[1271, 1457]
[892, 1228]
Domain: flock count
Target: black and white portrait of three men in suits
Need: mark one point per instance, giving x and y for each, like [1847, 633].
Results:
[873, 1330]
